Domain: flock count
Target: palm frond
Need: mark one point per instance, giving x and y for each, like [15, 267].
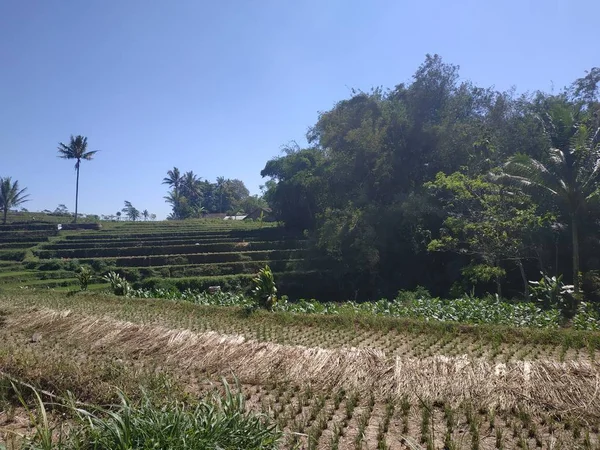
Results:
[531, 172]
[76, 149]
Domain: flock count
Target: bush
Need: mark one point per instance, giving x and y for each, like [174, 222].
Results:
[84, 274]
[220, 421]
[102, 265]
[118, 284]
[264, 291]
[587, 318]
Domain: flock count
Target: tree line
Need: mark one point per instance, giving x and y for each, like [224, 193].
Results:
[442, 183]
[192, 197]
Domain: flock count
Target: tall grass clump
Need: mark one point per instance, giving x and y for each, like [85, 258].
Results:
[220, 421]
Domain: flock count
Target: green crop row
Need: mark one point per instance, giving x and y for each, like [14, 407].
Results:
[295, 284]
[126, 242]
[12, 255]
[12, 245]
[29, 227]
[10, 266]
[203, 270]
[26, 276]
[266, 233]
[197, 258]
[167, 249]
[23, 237]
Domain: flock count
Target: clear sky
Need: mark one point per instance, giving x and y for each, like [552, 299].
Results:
[219, 86]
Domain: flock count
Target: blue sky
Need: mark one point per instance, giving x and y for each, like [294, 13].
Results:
[218, 87]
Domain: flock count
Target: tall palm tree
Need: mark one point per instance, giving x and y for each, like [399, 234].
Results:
[571, 173]
[10, 195]
[174, 180]
[77, 149]
[146, 214]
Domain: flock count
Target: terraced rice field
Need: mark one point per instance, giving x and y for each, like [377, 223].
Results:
[191, 254]
[346, 382]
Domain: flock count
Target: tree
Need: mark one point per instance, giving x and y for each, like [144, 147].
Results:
[487, 221]
[191, 189]
[220, 189]
[11, 195]
[152, 216]
[145, 214]
[130, 211]
[118, 215]
[77, 149]
[571, 172]
[173, 180]
[61, 210]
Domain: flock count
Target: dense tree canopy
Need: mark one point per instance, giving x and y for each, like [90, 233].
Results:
[192, 197]
[416, 185]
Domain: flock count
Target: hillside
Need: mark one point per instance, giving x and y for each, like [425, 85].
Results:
[183, 254]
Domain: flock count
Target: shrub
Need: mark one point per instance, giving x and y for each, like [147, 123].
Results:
[84, 274]
[101, 265]
[220, 421]
[551, 292]
[264, 291]
[118, 284]
[587, 318]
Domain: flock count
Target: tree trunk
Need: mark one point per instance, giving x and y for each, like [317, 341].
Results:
[76, 191]
[498, 283]
[575, 234]
[5, 213]
[524, 278]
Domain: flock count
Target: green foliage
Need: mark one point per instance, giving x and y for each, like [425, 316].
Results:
[264, 291]
[360, 188]
[569, 174]
[219, 422]
[415, 305]
[587, 317]
[487, 221]
[84, 275]
[118, 284]
[551, 292]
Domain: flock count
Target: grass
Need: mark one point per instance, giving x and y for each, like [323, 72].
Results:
[219, 421]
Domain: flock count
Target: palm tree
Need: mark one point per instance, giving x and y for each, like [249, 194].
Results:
[572, 171]
[131, 211]
[77, 149]
[174, 180]
[221, 190]
[11, 195]
[191, 188]
[175, 200]
[146, 214]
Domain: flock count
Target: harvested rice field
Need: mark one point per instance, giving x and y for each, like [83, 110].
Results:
[332, 382]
